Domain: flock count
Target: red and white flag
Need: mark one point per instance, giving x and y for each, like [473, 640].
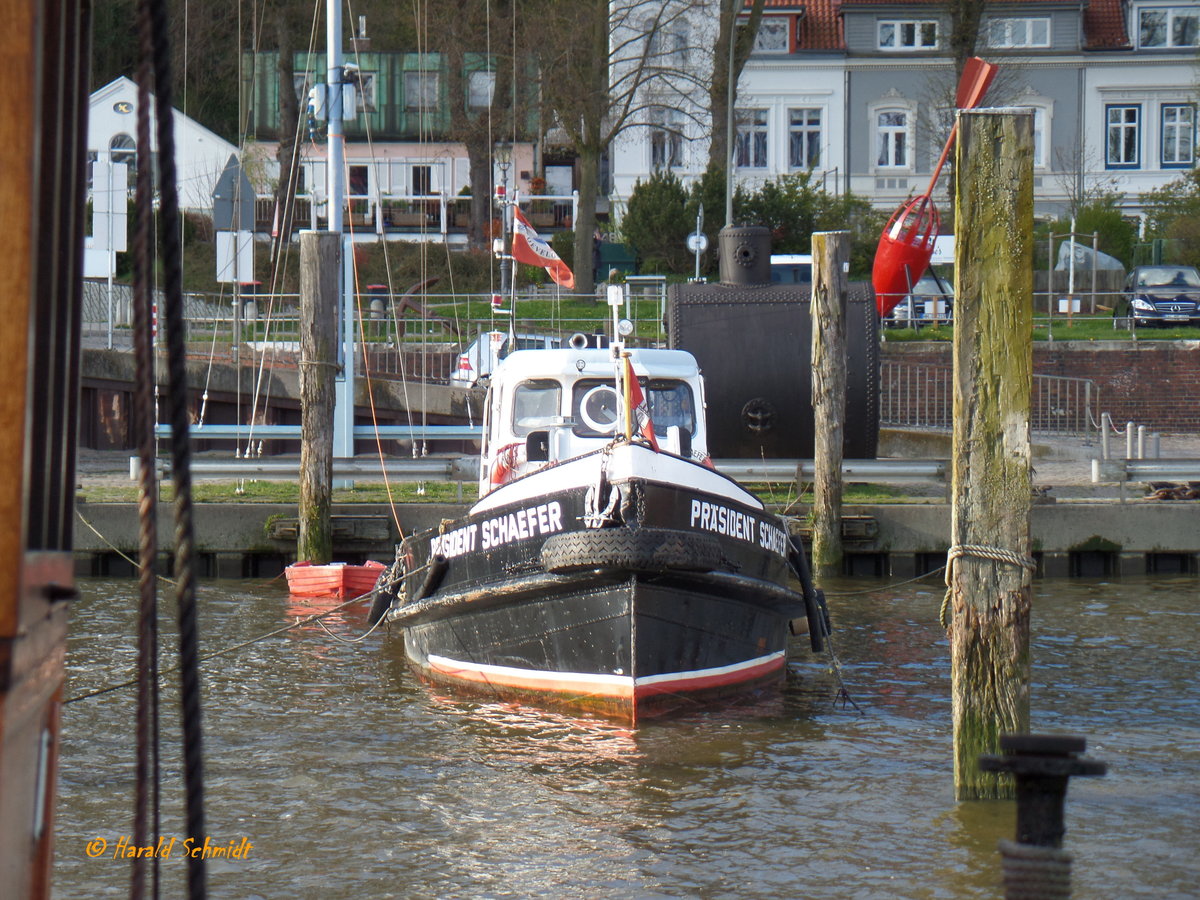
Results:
[529, 248]
[638, 407]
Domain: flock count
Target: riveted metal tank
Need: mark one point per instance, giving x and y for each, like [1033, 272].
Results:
[745, 254]
[754, 345]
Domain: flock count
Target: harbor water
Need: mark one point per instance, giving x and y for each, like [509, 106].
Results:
[332, 773]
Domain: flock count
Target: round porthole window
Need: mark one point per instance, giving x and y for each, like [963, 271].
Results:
[598, 409]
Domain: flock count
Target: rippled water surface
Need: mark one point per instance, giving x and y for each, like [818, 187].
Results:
[353, 780]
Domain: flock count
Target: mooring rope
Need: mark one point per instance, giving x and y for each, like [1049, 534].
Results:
[979, 551]
[225, 651]
[146, 774]
[154, 45]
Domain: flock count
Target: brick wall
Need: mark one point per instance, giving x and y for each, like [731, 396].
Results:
[1152, 383]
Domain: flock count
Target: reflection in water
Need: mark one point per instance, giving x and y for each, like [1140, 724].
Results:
[352, 779]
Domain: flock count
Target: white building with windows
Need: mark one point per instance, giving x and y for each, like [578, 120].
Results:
[860, 93]
[200, 154]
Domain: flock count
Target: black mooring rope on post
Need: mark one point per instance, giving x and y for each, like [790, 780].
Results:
[155, 45]
[146, 776]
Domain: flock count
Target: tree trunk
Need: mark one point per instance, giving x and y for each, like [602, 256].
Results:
[718, 90]
[831, 255]
[319, 262]
[989, 577]
[585, 222]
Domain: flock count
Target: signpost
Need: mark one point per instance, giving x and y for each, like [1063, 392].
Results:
[697, 241]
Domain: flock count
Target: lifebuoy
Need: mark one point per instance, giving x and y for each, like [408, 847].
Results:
[505, 464]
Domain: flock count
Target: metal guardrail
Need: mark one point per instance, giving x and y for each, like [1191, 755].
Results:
[1127, 470]
[893, 470]
[292, 432]
[466, 468]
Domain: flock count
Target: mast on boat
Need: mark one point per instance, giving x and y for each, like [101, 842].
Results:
[343, 404]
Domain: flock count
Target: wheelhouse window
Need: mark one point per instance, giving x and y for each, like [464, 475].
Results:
[892, 139]
[1123, 127]
[536, 404]
[1178, 135]
[1013, 32]
[751, 142]
[1165, 27]
[671, 403]
[900, 35]
[804, 138]
[595, 407]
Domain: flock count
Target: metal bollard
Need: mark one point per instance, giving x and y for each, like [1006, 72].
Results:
[1035, 865]
[1141, 442]
[1129, 434]
[1105, 426]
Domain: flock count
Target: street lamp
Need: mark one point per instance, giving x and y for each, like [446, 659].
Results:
[502, 153]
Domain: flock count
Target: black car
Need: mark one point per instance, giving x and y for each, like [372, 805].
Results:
[1162, 295]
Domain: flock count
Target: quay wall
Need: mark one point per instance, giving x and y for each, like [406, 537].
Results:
[1088, 539]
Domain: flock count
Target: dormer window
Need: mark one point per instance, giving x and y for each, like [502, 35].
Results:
[899, 35]
[1165, 27]
[772, 35]
[1018, 32]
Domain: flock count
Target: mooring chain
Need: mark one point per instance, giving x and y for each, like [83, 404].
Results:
[979, 551]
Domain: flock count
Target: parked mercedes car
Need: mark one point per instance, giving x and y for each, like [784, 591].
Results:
[931, 302]
[1161, 295]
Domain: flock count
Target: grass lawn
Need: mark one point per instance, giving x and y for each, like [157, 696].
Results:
[781, 496]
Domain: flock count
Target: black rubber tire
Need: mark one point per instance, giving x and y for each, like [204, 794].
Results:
[637, 549]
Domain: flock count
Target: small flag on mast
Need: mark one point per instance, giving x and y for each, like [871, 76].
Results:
[639, 409]
[528, 247]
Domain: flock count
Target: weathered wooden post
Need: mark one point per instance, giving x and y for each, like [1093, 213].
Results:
[989, 570]
[831, 256]
[318, 364]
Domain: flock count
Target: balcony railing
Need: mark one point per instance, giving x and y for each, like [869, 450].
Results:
[431, 215]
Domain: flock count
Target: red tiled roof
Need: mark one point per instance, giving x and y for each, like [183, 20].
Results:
[820, 25]
[1104, 26]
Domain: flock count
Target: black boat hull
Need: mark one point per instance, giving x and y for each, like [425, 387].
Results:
[682, 595]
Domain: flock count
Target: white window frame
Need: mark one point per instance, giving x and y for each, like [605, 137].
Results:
[1016, 32]
[668, 43]
[1170, 14]
[768, 39]
[752, 138]
[1041, 135]
[882, 144]
[665, 146]
[1182, 140]
[906, 35]
[481, 88]
[809, 135]
[1123, 127]
[417, 99]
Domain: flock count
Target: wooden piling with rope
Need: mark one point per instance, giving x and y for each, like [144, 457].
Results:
[989, 569]
[319, 287]
[831, 256]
